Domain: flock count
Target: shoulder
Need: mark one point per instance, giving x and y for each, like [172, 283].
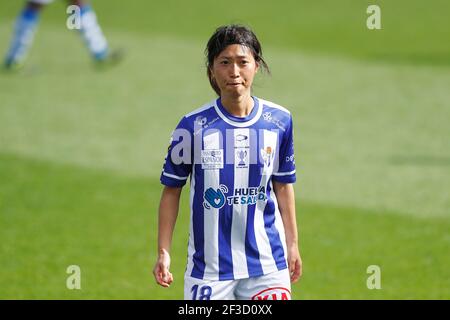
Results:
[276, 114]
[199, 115]
[201, 111]
[272, 106]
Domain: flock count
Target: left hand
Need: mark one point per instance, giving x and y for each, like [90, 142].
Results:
[294, 263]
[161, 270]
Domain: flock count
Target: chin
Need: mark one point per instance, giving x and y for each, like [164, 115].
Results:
[236, 92]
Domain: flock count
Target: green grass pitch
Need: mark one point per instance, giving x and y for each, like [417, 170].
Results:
[81, 149]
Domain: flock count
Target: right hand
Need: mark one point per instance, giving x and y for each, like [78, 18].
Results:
[161, 270]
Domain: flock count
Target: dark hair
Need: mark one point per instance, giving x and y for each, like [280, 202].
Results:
[228, 35]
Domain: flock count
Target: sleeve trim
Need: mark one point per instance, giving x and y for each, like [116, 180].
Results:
[283, 173]
[174, 176]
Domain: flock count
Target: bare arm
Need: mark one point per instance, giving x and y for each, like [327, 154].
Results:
[168, 212]
[286, 203]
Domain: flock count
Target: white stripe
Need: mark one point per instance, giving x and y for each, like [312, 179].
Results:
[265, 251]
[191, 245]
[240, 124]
[211, 216]
[283, 173]
[174, 176]
[201, 109]
[274, 105]
[238, 227]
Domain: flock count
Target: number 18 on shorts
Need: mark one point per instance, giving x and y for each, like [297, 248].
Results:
[272, 286]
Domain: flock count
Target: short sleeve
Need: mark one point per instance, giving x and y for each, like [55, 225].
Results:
[286, 162]
[178, 162]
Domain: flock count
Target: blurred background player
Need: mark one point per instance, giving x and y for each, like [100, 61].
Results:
[26, 25]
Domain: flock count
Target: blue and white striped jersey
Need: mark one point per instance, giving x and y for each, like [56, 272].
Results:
[236, 229]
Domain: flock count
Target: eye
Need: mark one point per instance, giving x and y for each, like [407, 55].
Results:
[224, 62]
[244, 62]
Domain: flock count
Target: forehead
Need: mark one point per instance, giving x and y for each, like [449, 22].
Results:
[235, 51]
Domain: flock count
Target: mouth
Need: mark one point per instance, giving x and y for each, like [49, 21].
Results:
[234, 84]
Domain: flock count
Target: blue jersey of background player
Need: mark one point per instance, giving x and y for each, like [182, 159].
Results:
[26, 24]
[238, 151]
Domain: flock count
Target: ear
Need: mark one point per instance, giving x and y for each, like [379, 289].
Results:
[257, 66]
[210, 73]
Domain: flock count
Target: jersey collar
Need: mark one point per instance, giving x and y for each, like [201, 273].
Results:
[249, 120]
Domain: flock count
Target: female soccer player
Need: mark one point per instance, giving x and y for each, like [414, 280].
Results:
[239, 153]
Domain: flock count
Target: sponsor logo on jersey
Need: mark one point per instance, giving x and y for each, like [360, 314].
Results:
[267, 116]
[241, 157]
[241, 137]
[212, 159]
[242, 150]
[216, 198]
[247, 196]
[290, 158]
[201, 121]
[276, 293]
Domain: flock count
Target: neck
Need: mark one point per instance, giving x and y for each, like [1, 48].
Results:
[238, 106]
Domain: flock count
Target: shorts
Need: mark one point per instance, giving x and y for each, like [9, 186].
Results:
[272, 286]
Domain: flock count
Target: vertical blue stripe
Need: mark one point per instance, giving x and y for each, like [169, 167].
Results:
[272, 232]
[198, 225]
[225, 222]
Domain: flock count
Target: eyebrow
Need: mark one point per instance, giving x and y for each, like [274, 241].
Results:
[229, 58]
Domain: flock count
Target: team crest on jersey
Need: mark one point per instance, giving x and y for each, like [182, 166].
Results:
[267, 155]
[276, 293]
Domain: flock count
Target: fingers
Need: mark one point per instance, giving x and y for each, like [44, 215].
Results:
[295, 270]
[161, 271]
[166, 276]
[162, 275]
[300, 266]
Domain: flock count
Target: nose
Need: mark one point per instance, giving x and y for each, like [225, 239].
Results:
[234, 70]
